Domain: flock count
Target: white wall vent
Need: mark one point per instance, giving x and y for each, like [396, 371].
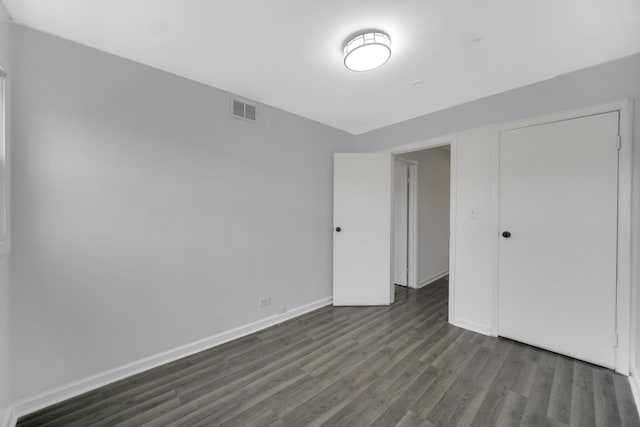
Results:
[243, 110]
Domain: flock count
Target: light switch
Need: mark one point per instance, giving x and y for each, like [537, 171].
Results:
[473, 213]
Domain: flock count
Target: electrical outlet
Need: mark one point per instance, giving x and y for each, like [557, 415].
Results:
[281, 310]
[264, 302]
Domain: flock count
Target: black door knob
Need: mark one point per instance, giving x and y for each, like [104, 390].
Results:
[506, 234]
[338, 229]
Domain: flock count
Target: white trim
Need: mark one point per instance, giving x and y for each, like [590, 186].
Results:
[626, 126]
[432, 279]
[565, 115]
[495, 217]
[441, 141]
[412, 241]
[412, 256]
[472, 326]
[625, 289]
[453, 215]
[413, 225]
[5, 243]
[624, 285]
[58, 394]
[635, 390]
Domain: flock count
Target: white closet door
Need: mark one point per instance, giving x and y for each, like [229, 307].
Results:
[401, 223]
[362, 216]
[558, 200]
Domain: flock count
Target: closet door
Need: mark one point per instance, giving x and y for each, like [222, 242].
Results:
[558, 243]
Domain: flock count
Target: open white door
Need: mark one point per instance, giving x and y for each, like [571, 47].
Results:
[362, 237]
[558, 250]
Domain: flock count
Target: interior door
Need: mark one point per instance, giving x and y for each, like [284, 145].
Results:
[401, 223]
[362, 215]
[558, 216]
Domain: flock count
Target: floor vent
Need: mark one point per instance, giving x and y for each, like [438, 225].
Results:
[244, 110]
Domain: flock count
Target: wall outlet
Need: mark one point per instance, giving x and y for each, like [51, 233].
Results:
[281, 310]
[264, 302]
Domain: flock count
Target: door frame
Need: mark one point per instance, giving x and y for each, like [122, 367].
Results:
[626, 313]
[447, 140]
[625, 292]
[412, 225]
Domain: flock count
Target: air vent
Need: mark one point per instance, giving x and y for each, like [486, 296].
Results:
[243, 110]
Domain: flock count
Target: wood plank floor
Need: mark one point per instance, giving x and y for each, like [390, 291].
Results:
[402, 365]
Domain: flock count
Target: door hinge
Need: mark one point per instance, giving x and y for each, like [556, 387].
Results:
[616, 339]
[619, 142]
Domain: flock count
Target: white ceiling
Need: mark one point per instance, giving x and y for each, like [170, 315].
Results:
[287, 53]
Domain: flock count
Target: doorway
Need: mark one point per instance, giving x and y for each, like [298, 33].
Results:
[422, 187]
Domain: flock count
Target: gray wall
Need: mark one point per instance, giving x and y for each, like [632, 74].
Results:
[5, 331]
[145, 217]
[4, 16]
[613, 81]
[433, 211]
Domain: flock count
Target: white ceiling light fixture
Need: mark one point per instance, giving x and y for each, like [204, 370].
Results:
[367, 50]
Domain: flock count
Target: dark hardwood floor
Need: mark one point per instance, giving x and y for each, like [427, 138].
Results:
[402, 365]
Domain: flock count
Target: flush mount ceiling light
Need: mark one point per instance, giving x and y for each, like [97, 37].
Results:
[367, 50]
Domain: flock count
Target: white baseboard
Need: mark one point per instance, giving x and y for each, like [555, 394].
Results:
[67, 391]
[472, 326]
[432, 279]
[635, 389]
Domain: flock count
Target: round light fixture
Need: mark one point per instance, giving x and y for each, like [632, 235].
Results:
[367, 50]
